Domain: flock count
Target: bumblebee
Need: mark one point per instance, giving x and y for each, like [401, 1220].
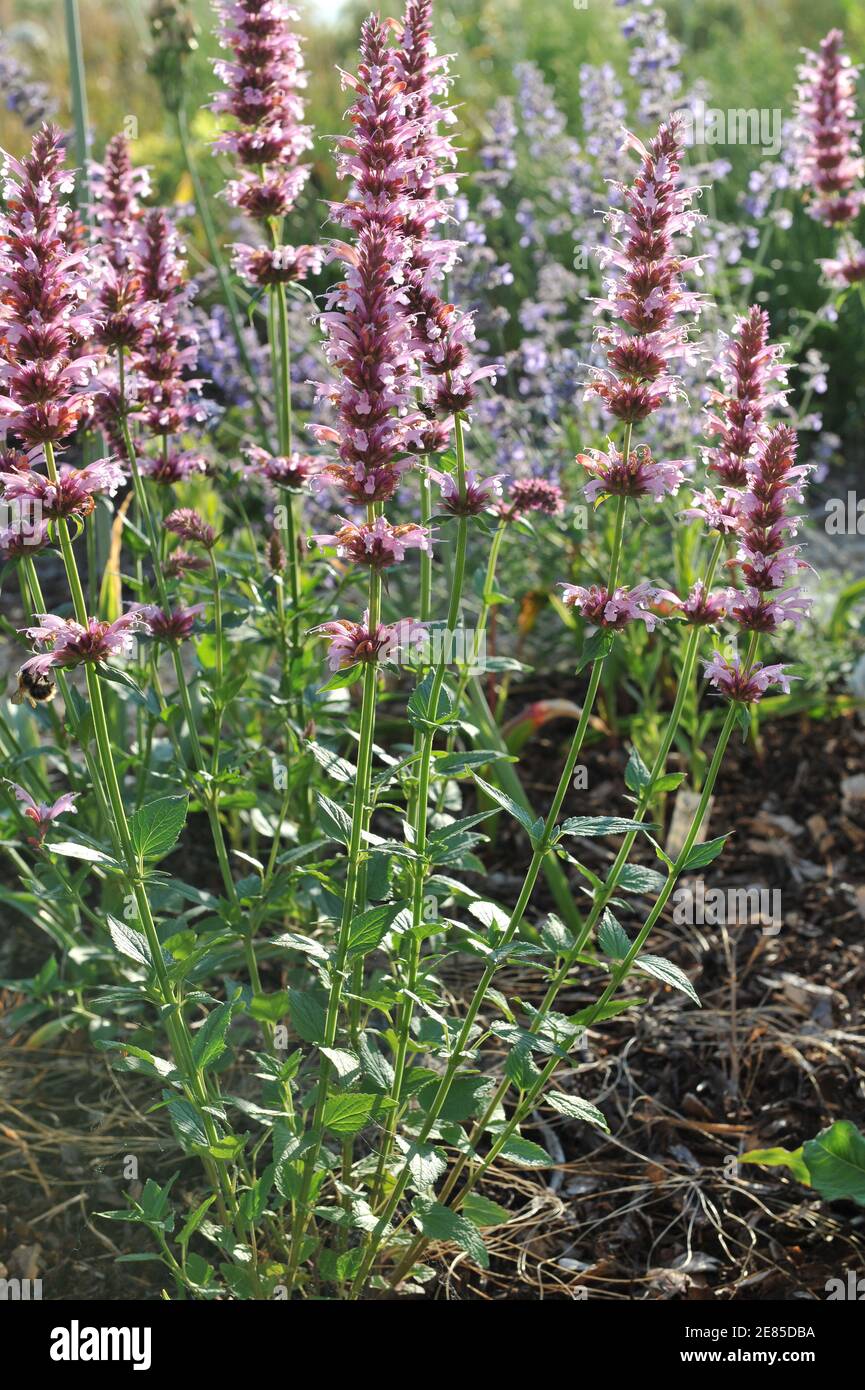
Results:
[35, 689]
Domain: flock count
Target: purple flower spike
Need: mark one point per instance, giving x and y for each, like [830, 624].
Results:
[830, 160]
[745, 684]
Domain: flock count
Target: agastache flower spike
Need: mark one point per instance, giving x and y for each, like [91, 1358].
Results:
[743, 683]
[170, 626]
[830, 160]
[73, 494]
[45, 386]
[752, 377]
[168, 392]
[294, 471]
[613, 611]
[369, 337]
[69, 643]
[351, 643]
[533, 495]
[119, 192]
[190, 526]
[263, 81]
[479, 494]
[377, 544]
[645, 292]
[637, 476]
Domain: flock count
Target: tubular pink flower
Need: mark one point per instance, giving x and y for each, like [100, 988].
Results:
[170, 626]
[754, 610]
[351, 643]
[118, 194]
[295, 471]
[40, 812]
[719, 513]
[613, 611]
[378, 545]
[19, 540]
[701, 609]
[46, 385]
[752, 377]
[638, 476]
[745, 684]
[74, 494]
[480, 493]
[644, 290]
[70, 644]
[168, 392]
[263, 82]
[173, 465]
[830, 160]
[533, 495]
[848, 267]
[190, 526]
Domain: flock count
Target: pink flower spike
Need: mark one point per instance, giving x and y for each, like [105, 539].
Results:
[68, 643]
[186, 523]
[614, 611]
[745, 685]
[479, 492]
[533, 495]
[351, 643]
[638, 476]
[172, 626]
[830, 158]
[754, 610]
[378, 545]
[294, 471]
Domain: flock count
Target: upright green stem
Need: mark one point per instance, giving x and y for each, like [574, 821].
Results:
[420, 821]
[176, 1027]
[350, 904]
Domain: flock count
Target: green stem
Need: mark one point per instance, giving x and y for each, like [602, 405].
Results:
[350, 904]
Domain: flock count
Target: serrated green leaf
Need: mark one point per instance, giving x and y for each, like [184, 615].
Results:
[668, 973]
[438, 1222]
[577, 1109]
[701, 855]
[347, 1114]
[836, 1162]
[612, 937]
[156, 827]
[526, 1154]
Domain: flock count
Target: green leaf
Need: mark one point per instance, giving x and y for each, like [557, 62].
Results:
[341, 679]
[701, 855]
[128, 942]
[780, 1158]
[335, 822]
[526, 1154]
[307, 1014]
[440, 1223]
[70, 849]
[637, 775]
[577, 1109]
[636, 878]
[209, 1042]
[451, 764]
[612, 937]
[836, 1162]
[156, 827]
[468, 1095]
[483, 1212]
[590, 826]
[532, 827]
[599, 645]
[333, 764]
[670, 974]
[419, 713]
[369, 928]
[194, 1220]
[347, 1114]
[427, 1163]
